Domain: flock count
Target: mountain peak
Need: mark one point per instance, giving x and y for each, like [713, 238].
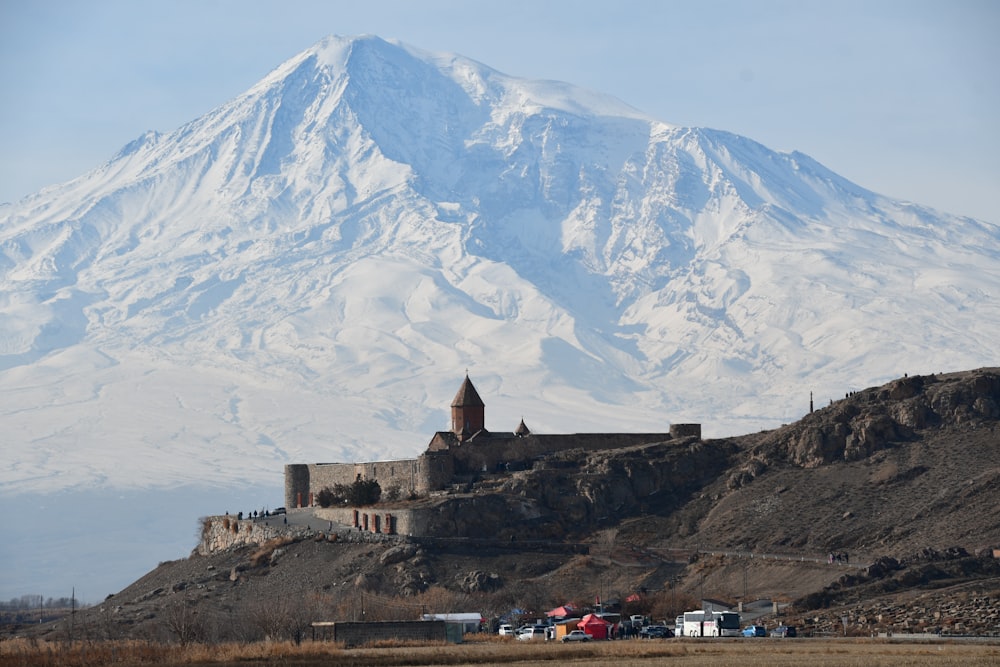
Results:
[324, 254]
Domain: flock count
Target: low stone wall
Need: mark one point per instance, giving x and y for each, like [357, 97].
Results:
[377, 520]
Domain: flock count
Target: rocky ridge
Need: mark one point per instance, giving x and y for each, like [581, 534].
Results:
[903, 477]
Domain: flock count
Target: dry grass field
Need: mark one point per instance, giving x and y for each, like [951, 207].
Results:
[747, 653]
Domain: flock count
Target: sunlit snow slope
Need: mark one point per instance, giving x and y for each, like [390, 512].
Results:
[307, 272]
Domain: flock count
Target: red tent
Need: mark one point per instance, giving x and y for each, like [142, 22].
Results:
[594, 626]
[563, 611]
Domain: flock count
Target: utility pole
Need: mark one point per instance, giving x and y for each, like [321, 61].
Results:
[673, 594]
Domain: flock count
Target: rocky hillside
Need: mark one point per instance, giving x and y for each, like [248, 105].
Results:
[900, 481]
[884, 471]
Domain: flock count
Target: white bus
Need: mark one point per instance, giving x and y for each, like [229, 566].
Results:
[727, 623]
[711, 624]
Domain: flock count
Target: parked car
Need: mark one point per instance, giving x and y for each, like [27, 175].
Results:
[783, 631]
[656, 632]
[532, 632]
[576, 636]
[754, 631]
[506, 630]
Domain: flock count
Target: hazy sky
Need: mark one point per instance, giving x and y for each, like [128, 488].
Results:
[902, 97]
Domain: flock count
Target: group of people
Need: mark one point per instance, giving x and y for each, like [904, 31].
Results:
[838, 558]
[628, 630]
[264, 514]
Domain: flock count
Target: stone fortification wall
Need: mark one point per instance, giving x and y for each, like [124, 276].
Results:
[297, 485]
[304, 480]
[418, 476]
[225, 532]
[685, 430]
[436, 469]
[219, 533]
[351, 524]
[491, 453]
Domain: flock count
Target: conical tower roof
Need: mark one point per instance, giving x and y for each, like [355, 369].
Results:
[467, 396]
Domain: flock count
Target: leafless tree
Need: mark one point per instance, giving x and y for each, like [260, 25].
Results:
[183, 622]
[278, 618]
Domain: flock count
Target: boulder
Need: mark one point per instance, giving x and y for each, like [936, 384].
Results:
[398, 554]
[478, 581]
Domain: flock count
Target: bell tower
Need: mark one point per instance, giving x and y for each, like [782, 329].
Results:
[467, 411]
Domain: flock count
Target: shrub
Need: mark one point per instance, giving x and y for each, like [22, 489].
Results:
[393, 492]
[326, 497]
[206, 527]
[361, 492]
[265, 550]
[365, 492]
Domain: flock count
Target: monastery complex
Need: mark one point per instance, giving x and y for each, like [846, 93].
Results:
[458, 456]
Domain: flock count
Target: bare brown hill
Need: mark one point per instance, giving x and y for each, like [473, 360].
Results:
[885, 471]
[901, 481]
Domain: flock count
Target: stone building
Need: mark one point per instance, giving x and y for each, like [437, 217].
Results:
[460, 455]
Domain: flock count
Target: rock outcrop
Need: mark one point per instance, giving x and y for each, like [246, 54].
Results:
[867, 421]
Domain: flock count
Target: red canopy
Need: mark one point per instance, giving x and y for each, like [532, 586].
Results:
[565, 610]
[594, 626]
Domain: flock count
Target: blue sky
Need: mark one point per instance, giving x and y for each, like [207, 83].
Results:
[901, 97]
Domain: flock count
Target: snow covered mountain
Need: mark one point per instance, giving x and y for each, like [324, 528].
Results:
[306, 273]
